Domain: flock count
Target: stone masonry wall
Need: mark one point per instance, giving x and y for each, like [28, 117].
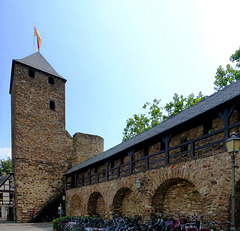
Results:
[40, 145]
[86, 146]
[201, 186]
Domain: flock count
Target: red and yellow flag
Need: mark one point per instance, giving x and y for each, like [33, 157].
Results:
[39, 40]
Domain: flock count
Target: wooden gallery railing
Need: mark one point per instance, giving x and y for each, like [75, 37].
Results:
[205, 145]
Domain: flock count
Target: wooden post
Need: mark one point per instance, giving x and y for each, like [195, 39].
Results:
[130, 154]
[107, 168]
[166, 140]
[147, 157]
[75, 180]
[89, 175]
[82, 180]
[192, 147]
[225, 117]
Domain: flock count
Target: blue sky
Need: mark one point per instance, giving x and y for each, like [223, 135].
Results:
[117, 55]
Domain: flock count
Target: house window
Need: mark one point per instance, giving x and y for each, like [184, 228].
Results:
[51, 80]
[11, 197]
[52, 105]
[31, 73]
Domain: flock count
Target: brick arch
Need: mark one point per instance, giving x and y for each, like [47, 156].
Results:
[177, 196]
[125, 203]
[96, 205]
[180, 171]
[75, 206]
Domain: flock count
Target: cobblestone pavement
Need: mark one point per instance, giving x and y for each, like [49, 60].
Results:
[12, 226]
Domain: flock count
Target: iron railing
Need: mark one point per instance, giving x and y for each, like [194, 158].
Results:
[205, 145]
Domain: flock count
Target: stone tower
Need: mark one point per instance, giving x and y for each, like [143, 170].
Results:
[86, 146]
[40, 147]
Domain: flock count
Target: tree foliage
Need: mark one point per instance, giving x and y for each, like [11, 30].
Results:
[142, 122]
[229, 75]
[180, 103]
[155, 114]
[5, 166]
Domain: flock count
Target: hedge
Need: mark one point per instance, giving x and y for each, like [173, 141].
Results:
[67, 219]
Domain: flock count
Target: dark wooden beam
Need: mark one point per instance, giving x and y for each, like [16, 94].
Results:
[225, 117]
[130, 154]
[166, 140]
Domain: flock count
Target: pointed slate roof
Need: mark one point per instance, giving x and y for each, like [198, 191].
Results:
[37, 61]
[209, 103]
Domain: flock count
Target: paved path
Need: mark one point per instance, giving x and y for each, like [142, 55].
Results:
[11, 226]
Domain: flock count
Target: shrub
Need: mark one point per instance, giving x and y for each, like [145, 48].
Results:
[66, 220]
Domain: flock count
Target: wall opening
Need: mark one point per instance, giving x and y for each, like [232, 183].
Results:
[125, 203]
[51, 80]
[96, 205]
[177, 196]
[31, 73]
[52, 105]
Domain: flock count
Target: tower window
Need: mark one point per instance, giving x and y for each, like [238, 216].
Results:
[52, 105]
[51, 80]
[31, 73]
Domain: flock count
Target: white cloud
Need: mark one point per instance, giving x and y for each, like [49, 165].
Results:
[5, 153]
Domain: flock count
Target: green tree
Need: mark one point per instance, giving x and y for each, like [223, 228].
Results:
[5, 166]
[229, 75]
[139, 123]
[180, 103]
[154, 114]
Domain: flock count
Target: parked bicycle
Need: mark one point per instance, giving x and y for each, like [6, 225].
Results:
[157, 223]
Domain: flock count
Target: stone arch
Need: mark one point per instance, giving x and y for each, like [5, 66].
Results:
[96, 205]
[76, 206]
[177, 196]
[125, 203]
